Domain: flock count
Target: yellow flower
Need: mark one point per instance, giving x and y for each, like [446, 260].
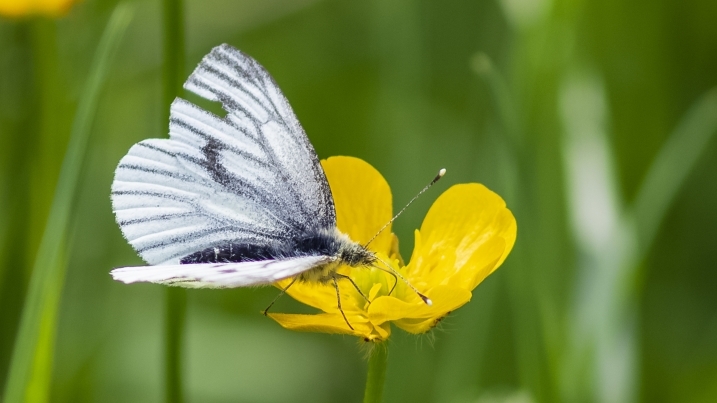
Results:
[466, 235]
[20, 8]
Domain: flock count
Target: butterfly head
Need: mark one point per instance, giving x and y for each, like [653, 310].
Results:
[356, 255]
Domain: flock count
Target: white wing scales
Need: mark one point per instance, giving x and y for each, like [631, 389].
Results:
[219, 275]
[251, 177]
[252, 97]
[167, 212]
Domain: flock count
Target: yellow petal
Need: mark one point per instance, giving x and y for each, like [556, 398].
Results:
[380, 332]
[323, 296]
[373, 292]
[418, 326]
[326, 323]
[466, 235]
[363, 201]
[395, 252]
[405, 314]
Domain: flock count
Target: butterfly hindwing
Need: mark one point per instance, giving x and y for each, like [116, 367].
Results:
[167, 211]
[250, 177]
[219, 275]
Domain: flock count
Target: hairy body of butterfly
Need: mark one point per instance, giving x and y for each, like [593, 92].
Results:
[322, 243]
[232, 201]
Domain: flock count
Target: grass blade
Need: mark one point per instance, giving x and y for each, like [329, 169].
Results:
[176, 298]
[31, 363]
[672, 166]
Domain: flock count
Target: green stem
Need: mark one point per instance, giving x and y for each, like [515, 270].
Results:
[173, 51]
[377, 363]
[176, 299]
[174, 329]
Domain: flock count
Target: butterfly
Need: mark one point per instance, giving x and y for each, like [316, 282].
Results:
[230, 202]
[233, 201]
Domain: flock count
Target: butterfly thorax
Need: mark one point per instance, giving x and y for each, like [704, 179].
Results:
[324, 242]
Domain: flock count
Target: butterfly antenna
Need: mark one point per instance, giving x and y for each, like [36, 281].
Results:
[395, 273]
[338, 299]
[439, 176]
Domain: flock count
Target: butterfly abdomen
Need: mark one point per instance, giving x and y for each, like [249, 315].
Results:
[325, 242]
[233, 253]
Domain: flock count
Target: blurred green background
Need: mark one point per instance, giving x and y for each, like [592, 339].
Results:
[592, 118]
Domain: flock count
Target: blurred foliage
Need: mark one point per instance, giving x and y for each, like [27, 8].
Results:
[561, 106]
[30, 370]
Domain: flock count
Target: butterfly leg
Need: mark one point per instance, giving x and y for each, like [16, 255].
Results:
[395, 278]
[338, 298]
[339, 275]
[283, 291]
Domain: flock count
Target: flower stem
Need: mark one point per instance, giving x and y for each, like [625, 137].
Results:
[176, 299]
[377, 363]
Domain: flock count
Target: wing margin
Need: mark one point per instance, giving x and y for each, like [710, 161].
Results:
[220, 275]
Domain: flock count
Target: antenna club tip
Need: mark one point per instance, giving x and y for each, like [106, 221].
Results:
[425, 299]
[441, 172]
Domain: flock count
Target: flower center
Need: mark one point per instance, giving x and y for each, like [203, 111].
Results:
[376, 281]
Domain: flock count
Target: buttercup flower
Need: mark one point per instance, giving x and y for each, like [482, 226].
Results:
[466, 235]
[20, 8]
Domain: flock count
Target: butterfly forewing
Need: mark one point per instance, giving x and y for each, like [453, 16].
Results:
[251, 177]
[252, 98]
